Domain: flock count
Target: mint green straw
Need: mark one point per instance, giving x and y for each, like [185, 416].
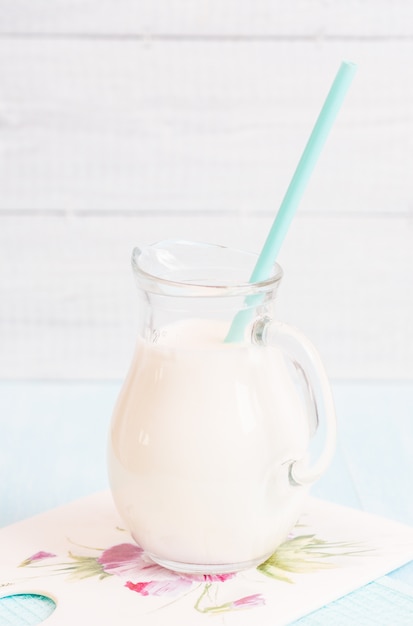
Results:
[296, 188]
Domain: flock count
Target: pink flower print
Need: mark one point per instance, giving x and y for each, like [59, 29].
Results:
[209, 578]
[169, 587]
[121, 558]
[247, 602]
[39, 556]
[125, 560]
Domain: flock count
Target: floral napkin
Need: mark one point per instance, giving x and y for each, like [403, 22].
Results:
[82, 558]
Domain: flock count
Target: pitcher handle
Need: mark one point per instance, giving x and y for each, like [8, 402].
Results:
[301, 351]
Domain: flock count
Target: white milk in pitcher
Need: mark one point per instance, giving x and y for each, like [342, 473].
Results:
[201, 442]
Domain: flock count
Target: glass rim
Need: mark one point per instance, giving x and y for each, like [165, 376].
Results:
[155, 283]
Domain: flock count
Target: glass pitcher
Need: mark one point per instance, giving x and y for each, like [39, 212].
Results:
[209, 448]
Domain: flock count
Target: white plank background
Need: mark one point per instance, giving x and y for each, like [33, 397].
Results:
[178, 18]
[126, 122]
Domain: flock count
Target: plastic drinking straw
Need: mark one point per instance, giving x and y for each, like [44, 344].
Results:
[296, 187]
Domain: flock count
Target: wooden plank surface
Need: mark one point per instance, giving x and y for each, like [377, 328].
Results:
[125, 122]
[180, 18]
[68, 299]
[198, 126]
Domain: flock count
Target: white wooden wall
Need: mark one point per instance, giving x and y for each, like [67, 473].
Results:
[127, 121]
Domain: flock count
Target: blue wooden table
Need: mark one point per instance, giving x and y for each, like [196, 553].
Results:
[53, 450]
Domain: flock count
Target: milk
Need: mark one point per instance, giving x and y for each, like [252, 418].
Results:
[201, 441]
